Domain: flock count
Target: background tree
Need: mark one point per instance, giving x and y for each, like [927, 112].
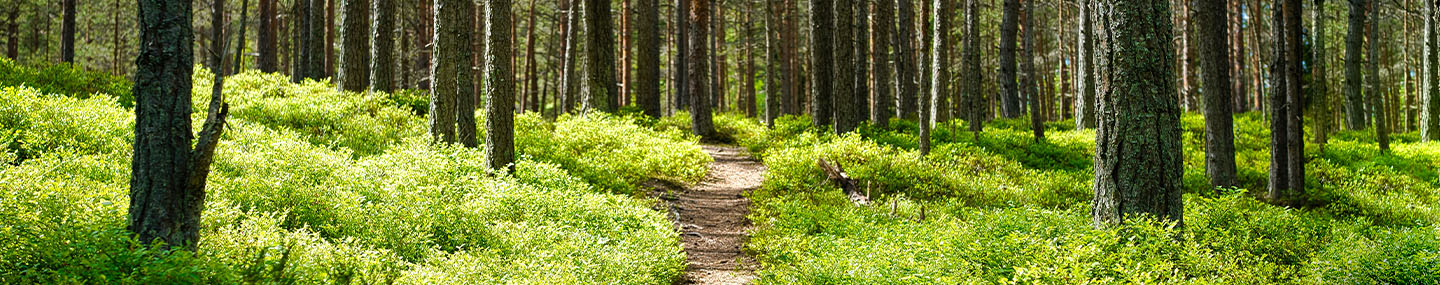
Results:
[1214, 61]
[1085, 97]
[883, 103]
[905, 59]
[1287, 170]
[1009, 92]
[701, 121]
[600, 49]
[1377, 100]
[67, 32]
[822, 65]
[452, 86]
[971, 74]
[647, 40]
[309, 62]
[500, 87]
[1430, 106]
[1030, 85]
[1320, 88]
[267, 43]
[1354, 45]
[1137, 157]
[382, 45]
[354, 58]
[846, 72]
[167, 182]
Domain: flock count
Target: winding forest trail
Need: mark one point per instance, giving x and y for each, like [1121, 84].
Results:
[711, 218]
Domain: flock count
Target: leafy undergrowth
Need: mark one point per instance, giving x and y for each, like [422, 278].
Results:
[1002, 208]
[316, 186]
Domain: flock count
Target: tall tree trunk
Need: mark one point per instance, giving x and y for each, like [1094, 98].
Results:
[67, 32]
[822, 21]
[1212, 35]
[1028, 82]
[240, 43]
[860, 92]
[354, 75]
[167, 185]
[1287, 177]
[382, 44]
[682, 57]
[569, 77]
[845, 67]
[530, 92]
[883, 104]
[1085, 97]
[1009, 92]
[329, 47]
[309, 61]
[1377, 99]
[600, 48]
[500, 86]
[1320, 89]
[1430, 105]
[1354, 40]
[940, 59]
[976, 100]
[1138, 165]
[453, 81]
[701, 122]
[12, 38]
[905, 60]
[266, 44]
[773, 65]
[647, 41]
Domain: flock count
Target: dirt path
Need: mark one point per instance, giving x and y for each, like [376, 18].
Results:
[711, 218]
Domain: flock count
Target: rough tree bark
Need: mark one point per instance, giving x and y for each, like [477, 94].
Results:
[883, 104]
[267, 43]
[382, 44]
[1009, 92]
[1355, 118]
[846, 70]
[1085, 97]
[647, 40]
[1137, 159]
[1377, 99]
[67, 32]
[1212, 34]
[600, 51]
[905, 60]
[500, 86]
[452, 81]
[240, 47]
[1430, 107]
[1320, 89]
[167, 184]
[701, 122]
[822, 21]
[1028, 82]
[976, 99]
[353, 74]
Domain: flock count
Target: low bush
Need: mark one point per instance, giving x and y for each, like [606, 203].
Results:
[66, 80]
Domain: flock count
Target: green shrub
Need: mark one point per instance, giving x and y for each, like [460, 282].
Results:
[612, 153]
[66, 80]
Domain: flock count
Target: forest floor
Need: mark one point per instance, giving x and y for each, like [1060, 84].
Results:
[711, 218]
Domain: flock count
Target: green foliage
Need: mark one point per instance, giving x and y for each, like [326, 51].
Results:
[999, 207]
[290, 201]
[66, 80]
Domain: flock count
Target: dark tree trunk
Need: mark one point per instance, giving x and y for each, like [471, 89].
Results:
[67, 32]
[1377, 99]
[569, 77]
[1430, 105]
[382, 44]
[1212, 32]
[532, 79]
[701, 122]
[1287, 170]
[329, 47]
[1028, 81]
[905, 60]
[1354, 41]
[647, 40]
[240, 43]
[843, 101]
[682, 57]
[1320, 89]
[12, 38]
[975, 97]
[354, 58]
[774, 69]
[1085, 97]
[822, 22]
[1009, 92]
[452, 81]
[1294, 97]
[267, 42]
[167, 184]
[1138, 165]
[310, 61]
[600, 48]
[883, 104]
[500, 86]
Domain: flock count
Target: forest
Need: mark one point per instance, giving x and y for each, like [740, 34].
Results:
[720, 142]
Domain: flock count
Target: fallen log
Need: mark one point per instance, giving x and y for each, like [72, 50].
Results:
[837, 175]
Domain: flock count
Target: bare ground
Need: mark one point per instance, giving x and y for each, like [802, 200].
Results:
[711, 218]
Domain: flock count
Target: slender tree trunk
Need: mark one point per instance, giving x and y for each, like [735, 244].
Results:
[845, 67]
[905, 60]
[1320, 83]
[1212, 34]
[600, 49]
[1028, 81]
[266, 41]
[883, 104]
[1138, 165]
[1430, 105]
[773, 65]
[329, 47]
[568, 75]
[167, 185]
[382, 46]
[354, 58]
[240, 43]
[1085, 97]
[701, 124]
[1279, 185]
[822, 21]
[452, 79]
[976, 101]
[500, 86]
[1009, 92]
[1377, 99]
[12, 39]
[647, 40]
[1354, 40]
[67, 32]
[940, 62]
